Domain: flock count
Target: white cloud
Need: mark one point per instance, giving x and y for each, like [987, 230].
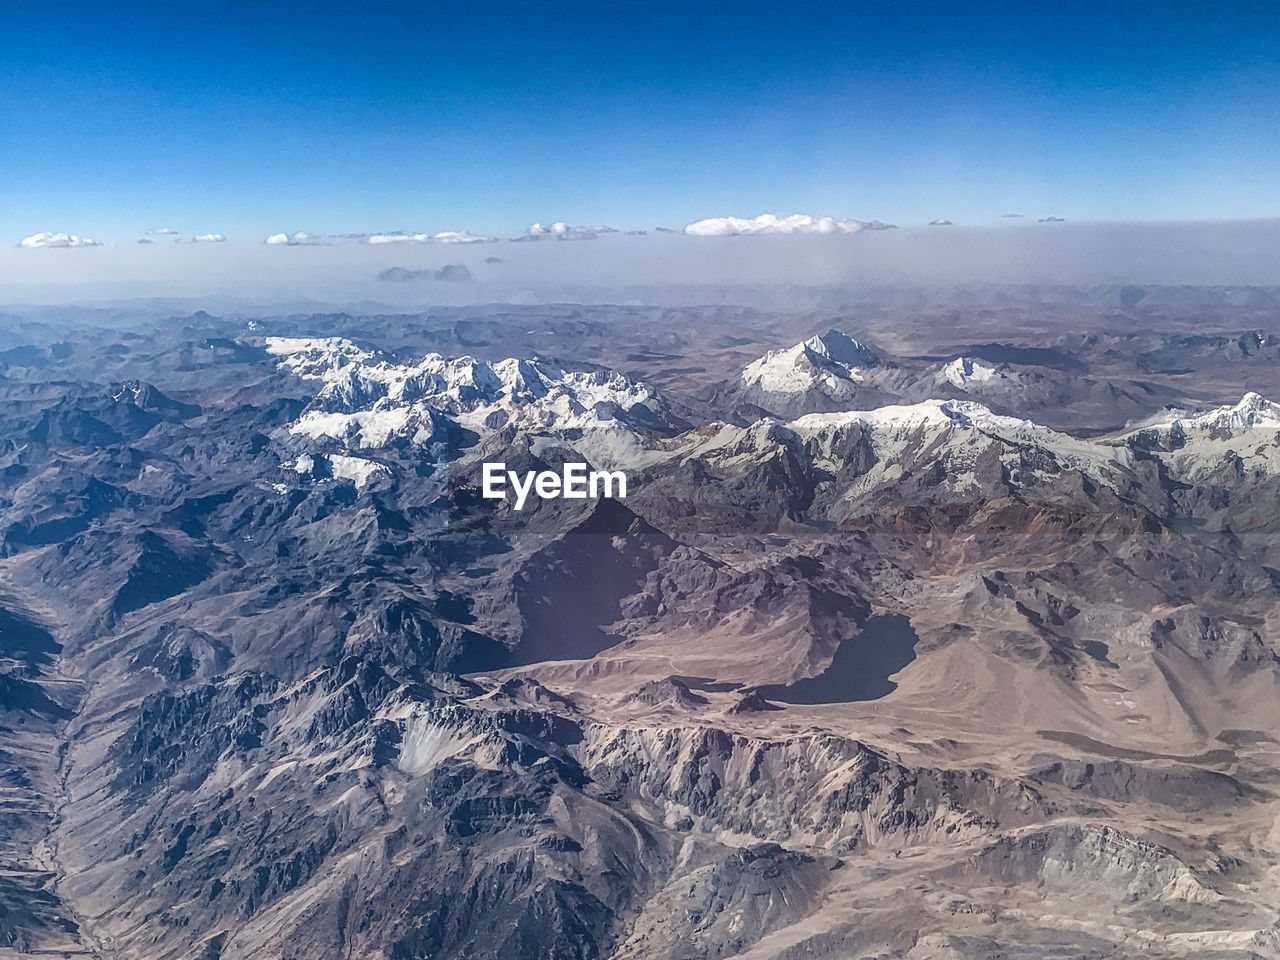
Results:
[444, 236]
[940, 222]
[209, 238]
[563, 231]
[57, 240]
[399, 236]
[769, 223]
[460, 236]
[299, 239]
[559, 228]
[162, 232]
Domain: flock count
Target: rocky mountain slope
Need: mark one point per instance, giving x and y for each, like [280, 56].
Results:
[890, 669]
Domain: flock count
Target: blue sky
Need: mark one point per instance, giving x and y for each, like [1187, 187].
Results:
[331, 117]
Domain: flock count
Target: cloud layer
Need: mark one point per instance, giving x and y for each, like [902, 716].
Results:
[449, 272]
[48, 239]
[562, 231]
[444, 236]
[655, 269]
[771, 223]
[299, 239]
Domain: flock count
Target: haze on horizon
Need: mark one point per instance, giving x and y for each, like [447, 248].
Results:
[283, 120]
[621, 268]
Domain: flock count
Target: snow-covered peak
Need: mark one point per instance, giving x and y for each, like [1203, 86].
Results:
[958, 428]
[837, 347]
[895, 418]
[1242, 436]
[368, 400]
[963, 372]
[950, 416]
[1230, 421]
[1252, 412]
[831, 361]
[317, 358]
[952, 444]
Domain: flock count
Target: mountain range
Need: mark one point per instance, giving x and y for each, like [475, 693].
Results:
[914, 637]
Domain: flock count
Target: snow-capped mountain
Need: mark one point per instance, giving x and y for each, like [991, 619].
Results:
[965, 373]
[369, 400]
[1008, 388]
[956, 432]
[1243, 437]
[1252, 418]
[834, 465]
[831, 362]
[316, 358]
[896, 430]
[830, 371]
[830, 466]
[834, 372]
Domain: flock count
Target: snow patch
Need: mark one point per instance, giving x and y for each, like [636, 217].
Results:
[338, 467]
[355, 469]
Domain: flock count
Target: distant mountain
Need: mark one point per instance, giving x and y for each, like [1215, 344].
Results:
[832, 372]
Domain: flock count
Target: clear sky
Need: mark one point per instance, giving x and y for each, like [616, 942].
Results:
[248, 118]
